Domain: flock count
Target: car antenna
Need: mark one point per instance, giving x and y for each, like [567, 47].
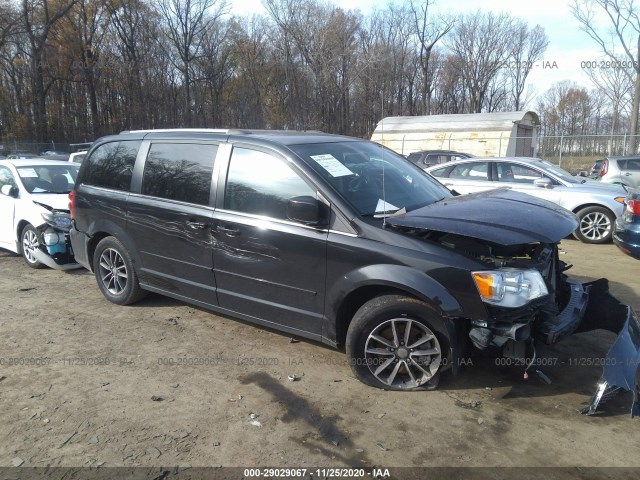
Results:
[384, 196]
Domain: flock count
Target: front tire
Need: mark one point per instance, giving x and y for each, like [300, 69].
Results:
[393, 343]
[596, 225]
[115, 274]
[30, 243]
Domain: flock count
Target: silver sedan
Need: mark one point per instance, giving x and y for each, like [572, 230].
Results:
[596, 204]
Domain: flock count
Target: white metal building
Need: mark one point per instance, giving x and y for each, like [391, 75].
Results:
[482, 134]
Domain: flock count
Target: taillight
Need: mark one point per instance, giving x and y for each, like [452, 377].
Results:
[633, 206]
[605, 167]
[72, 204]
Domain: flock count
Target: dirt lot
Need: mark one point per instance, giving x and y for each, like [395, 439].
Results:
[90, 400]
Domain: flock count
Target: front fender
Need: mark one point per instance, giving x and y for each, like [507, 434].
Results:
[398, 277]
[410, 280]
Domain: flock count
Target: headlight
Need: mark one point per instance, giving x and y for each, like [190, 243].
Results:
[57, 219]
[510, 288]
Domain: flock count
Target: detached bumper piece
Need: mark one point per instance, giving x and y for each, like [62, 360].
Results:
[620, 371]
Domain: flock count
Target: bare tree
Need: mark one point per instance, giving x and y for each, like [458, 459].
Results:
[624, 19]
[8, 17]
[483, 42]
[528, 48]
[615, 85]
[38, 17]
[186, 22]
[429, 29]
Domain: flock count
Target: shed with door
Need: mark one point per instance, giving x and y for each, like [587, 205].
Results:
[498, 134]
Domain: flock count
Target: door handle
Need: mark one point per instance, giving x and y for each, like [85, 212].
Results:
[628, 174]
[232, 232]
[196, 225]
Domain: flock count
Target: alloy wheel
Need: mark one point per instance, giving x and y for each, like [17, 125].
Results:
[595, 226]
[113, 271]
[403, 353]
[29, 245]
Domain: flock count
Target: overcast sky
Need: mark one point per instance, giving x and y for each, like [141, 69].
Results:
[568, 45]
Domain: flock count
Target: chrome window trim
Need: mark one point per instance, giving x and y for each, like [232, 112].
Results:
[278, 221]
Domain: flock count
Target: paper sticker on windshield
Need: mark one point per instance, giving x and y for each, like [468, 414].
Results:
[385, 207]
[27, 173]
[332, 165]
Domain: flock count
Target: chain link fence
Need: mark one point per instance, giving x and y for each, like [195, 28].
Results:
[13, 146]
[578, 152]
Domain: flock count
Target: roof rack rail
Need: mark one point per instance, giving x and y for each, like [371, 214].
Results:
[228, 131]
[177, 130]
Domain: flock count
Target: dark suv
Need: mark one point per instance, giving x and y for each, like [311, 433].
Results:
[327, 237]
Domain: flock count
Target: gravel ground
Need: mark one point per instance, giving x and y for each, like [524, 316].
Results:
[164, 383]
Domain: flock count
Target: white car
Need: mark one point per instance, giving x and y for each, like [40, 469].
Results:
[78, 157]
[596, 204]
[34, 211]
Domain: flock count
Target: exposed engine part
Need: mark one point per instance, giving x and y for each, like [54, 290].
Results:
[514, 350]
[481, 337]
[533, 359]
[543, 377]
[54, 242]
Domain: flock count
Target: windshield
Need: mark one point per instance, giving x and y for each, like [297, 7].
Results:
[372, 178]
[559, 172]
[48, 178]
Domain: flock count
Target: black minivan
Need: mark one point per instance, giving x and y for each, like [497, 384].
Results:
[332, 238]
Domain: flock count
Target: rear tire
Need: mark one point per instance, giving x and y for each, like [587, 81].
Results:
[394, 343]
[29, 243]
[115, 274]
[597, 225]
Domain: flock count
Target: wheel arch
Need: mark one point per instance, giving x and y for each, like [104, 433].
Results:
[588, 205]
[376, 280]
[92, 244]
[20, 227]
[99, 231]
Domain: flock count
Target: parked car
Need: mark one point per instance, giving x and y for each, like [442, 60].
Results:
[621, 170]
[56, 155]
[335, 239]
[428, 158]
[77, 157]
[597, 205]
[22, 155]
[627, 234]
[595, 169]
[34, 211]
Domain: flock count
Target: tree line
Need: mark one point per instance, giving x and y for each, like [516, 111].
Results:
[73, 70]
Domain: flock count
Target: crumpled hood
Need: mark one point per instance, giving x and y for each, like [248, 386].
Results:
[57, 201]
[500, 216]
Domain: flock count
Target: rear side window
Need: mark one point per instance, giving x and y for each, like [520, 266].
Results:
[262, 184]
[414, 157]
[470, 171]
[633, 164]
[179, 171]
[111, 165]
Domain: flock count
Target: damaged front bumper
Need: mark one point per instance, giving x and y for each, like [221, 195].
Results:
[590, 306]
[54, 249]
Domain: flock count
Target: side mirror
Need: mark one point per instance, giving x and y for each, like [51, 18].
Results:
[305, 210]
[543, 182]
[9, 191]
